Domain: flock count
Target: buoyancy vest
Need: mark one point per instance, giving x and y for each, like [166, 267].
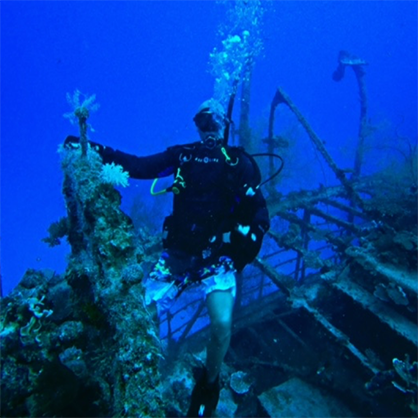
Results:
[211, 184]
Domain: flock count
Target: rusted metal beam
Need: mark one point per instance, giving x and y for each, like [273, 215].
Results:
[384, 313]
[259, 312]
[404, 278]
[282, 242]
[327, 236]
[301, 199]
[296, 200]
[345, 208]
[292, 333]
[357, 64]
[282, 97]
[337, 221]
[343, 339]
[283, 282]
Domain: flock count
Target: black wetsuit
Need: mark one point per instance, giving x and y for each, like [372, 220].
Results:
[217, 190]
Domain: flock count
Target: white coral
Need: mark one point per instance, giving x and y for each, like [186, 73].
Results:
[114, 174]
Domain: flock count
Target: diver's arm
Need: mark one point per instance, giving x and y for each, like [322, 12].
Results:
[150, 167]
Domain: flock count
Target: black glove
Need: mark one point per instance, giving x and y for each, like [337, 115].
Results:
[73, 142]
[245, 244]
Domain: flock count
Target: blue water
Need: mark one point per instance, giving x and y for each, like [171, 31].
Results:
[147, 62]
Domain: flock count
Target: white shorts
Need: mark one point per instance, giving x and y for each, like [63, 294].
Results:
[160, 288]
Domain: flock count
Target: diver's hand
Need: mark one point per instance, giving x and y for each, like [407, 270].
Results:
[72, 142]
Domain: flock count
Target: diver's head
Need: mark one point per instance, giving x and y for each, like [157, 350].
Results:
[210, 121]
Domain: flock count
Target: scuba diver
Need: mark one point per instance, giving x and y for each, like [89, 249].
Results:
[217, 225]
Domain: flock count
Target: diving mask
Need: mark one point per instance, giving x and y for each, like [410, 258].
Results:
[206, 122]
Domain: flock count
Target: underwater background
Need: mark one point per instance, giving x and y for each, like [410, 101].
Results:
[147, 62]
[325, 318]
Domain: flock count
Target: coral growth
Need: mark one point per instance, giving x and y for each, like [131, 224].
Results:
[83, 344]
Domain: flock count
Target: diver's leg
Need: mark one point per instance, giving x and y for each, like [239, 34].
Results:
[205, 394]
[220, 305]
[220, 289]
